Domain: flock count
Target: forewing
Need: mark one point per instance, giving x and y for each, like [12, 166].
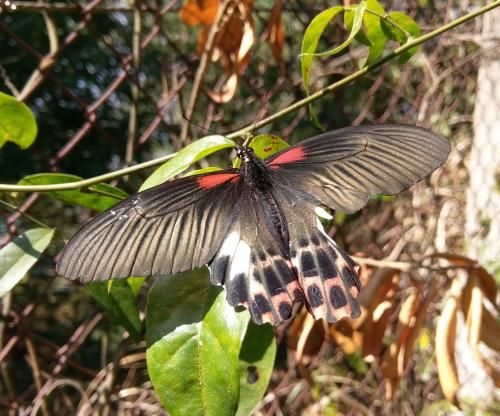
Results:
[175, 226]
[344, 168]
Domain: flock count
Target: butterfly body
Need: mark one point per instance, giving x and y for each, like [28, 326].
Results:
[256, 227]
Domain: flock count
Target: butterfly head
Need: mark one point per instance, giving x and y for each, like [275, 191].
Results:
[245, 154]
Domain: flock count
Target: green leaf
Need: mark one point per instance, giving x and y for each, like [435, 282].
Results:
[208, 169]
[185, 158]
[265, 145]
[359, 11]
[119, 300]
[17, 123]
[98, 197]
[373, 30]
[194, 339]
[17, 257]
[401, 28]
[311, 39]
[256, 365]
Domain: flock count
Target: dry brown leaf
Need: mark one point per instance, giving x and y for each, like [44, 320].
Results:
[456, 259]
[420, 318]
[226, 91]
[315, 339]
[381, 286]
[487, 284]
[392, 363]
[445, 344]
[196, 12]
[374, 329]
[490, 333]
[275, 32]
[474, 318]
[346, 337]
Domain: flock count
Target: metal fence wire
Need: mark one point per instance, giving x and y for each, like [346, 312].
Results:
[107, 81]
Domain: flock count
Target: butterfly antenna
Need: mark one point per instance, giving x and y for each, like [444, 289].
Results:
[248, 136]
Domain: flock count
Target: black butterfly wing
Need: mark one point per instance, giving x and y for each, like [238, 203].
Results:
[253, 266]
[344, 168]
[269, 279]
[326, 275]
[175, 226]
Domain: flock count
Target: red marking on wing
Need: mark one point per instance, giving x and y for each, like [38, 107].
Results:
[209, 181]
[293, 155]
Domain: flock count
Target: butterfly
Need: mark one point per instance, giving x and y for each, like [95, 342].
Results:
[257, 226]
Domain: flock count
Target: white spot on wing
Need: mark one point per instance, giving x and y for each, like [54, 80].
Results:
[320, 227]
[241, 260]
[321, 212]
[229, 245]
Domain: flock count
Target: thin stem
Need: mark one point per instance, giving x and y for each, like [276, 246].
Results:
[136, 61]
[294, 107]
[200, 73]
[14, 208]
[86, 182]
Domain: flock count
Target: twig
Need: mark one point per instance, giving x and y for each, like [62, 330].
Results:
[87, 182]
[20, 212]
[36, 373]
[136, 60]
[38, 6]
[48, 61]
[205, 57]
[294, 107]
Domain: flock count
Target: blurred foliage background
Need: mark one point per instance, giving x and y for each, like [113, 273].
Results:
[109, 82]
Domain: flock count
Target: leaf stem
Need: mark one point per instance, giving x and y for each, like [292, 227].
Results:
[290, 109]
[16, 209]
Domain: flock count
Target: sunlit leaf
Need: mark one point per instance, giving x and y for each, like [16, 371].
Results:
[98, 197]
[201, 171]
[445, 344]
[256, 365]
[18, 256]
[186, 157]
[265, 145]
[401, 28]
[193, 344]
[17, 123]
[196, 12]
[120, 302]
[354, 29]
[373, 30]
[311, 39]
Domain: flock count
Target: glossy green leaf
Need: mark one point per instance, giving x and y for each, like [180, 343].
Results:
[358, 11]
[256, 365]
[201, 171]
[373, 30]
[311, 39]
[97, 197]
[401, 28]
[186, 157]
[119, 300]
[348, 24]
[18, 256]
[17, 123]
[265, 145]
[193, 343]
